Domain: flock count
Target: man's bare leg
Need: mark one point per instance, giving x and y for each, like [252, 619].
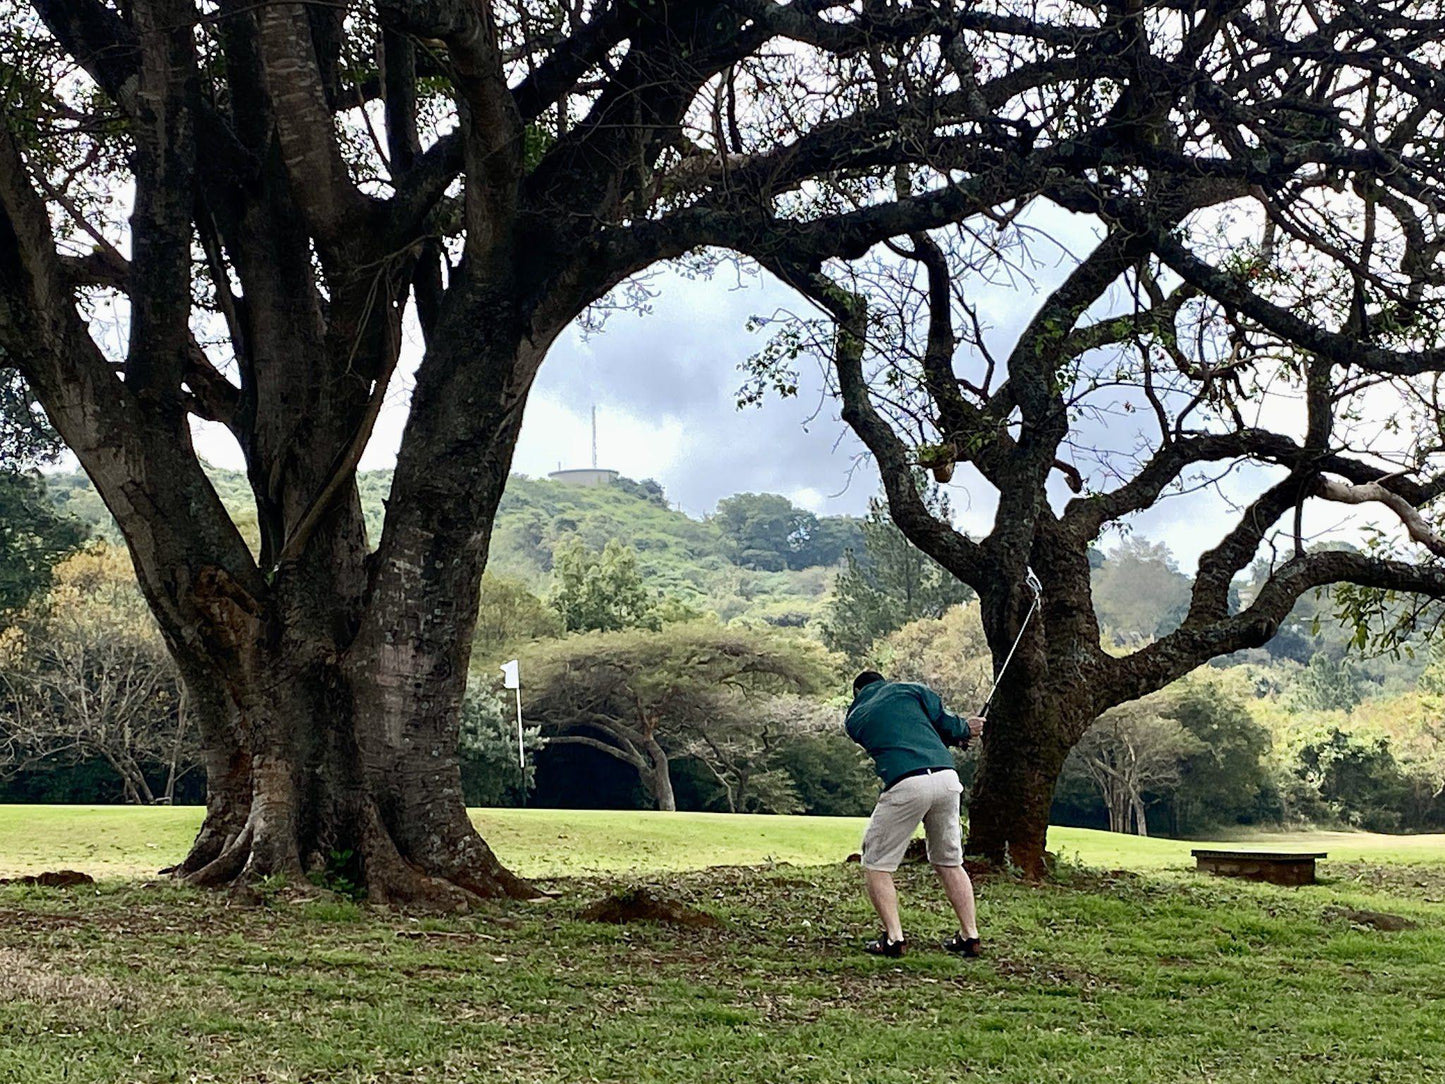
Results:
[884, 897]
[959, 888]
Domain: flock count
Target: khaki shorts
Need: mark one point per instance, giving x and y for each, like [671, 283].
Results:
[932, 799]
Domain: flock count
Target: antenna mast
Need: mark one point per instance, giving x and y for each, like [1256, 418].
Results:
[594, 436]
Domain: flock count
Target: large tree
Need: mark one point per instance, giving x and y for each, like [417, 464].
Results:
[306, 179]
[1245, 208]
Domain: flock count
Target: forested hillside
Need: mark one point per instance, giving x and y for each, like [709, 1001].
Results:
[759, 558]
[1307, 729]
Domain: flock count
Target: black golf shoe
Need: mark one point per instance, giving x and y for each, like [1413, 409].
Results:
[963, 946]
[881, 946]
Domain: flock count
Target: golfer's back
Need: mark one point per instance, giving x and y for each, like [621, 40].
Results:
[898, 724]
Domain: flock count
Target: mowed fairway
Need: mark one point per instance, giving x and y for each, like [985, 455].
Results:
[1125, 968]
[125, 841]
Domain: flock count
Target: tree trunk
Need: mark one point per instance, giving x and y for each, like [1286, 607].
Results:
[1043, 706]
[1141, 821]
[313, 770]
[1018, 768]
[1008, 813]
[311, 789]
[658, 777]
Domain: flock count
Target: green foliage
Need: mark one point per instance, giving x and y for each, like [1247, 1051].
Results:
[1139, 592]
[1225, 780]
[768, 532]
[1325, 685]
[1380, 632]
[890, 583]
[678, 557]
[34, 537]
[830, 774]
[488, 746]
[509, 615]
[603, 592]
[697, 689]
[649, 490]
[26, 438]
[1134, 750]
[948, 653]
[1355, 778]
[685, 672]
[84, 673]
[342, 875]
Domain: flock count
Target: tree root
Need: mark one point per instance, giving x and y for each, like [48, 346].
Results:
[458, 876]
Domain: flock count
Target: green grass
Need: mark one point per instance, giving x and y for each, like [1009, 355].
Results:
[125, 841]
[1133, 978]
[1147, 973]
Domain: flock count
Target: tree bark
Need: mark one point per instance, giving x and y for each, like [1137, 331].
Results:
[1042, 707]
[658, 778]
[303, 779]
[1008, 812]
[1141, 821]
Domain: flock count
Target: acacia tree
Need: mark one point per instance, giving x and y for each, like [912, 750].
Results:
[1258, 292]
[643, 696]
[741, 747]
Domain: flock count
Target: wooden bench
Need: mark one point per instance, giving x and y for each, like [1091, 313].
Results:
[1281, 868]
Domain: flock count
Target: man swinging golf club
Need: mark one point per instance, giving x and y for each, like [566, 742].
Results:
[906, 730]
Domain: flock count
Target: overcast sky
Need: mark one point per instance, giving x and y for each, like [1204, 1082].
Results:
[665, 384]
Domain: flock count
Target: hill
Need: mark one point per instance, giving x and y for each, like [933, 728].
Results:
[684, 558]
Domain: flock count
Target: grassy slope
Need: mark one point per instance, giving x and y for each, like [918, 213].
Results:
[119, 841]
[1133, 978]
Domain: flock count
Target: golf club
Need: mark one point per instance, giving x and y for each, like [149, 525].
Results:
[1038, 589]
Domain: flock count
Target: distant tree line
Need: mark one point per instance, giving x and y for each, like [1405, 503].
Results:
[637, 698]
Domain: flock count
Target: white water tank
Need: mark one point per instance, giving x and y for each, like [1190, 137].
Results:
[584, 476]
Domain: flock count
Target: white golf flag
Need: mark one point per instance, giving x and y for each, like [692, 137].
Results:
[511, 677]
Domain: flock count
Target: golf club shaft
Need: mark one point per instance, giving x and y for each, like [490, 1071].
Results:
[1038, 595]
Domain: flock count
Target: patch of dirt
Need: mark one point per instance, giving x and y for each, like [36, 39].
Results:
[26, 977]
[640, 905]
[60, 878]
[1378, 920]
[1177, 961]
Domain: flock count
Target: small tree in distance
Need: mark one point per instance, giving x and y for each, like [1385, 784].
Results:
[510, 615]
[491, 774]
[1131, 750]
[641, 696]
[948, 653]
[603, 592]
[84, 675]
[890, 582]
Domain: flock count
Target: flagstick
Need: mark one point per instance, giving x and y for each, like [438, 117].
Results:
[512, 679]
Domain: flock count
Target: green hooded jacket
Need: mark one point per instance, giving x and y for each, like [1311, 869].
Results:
[903, 727]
